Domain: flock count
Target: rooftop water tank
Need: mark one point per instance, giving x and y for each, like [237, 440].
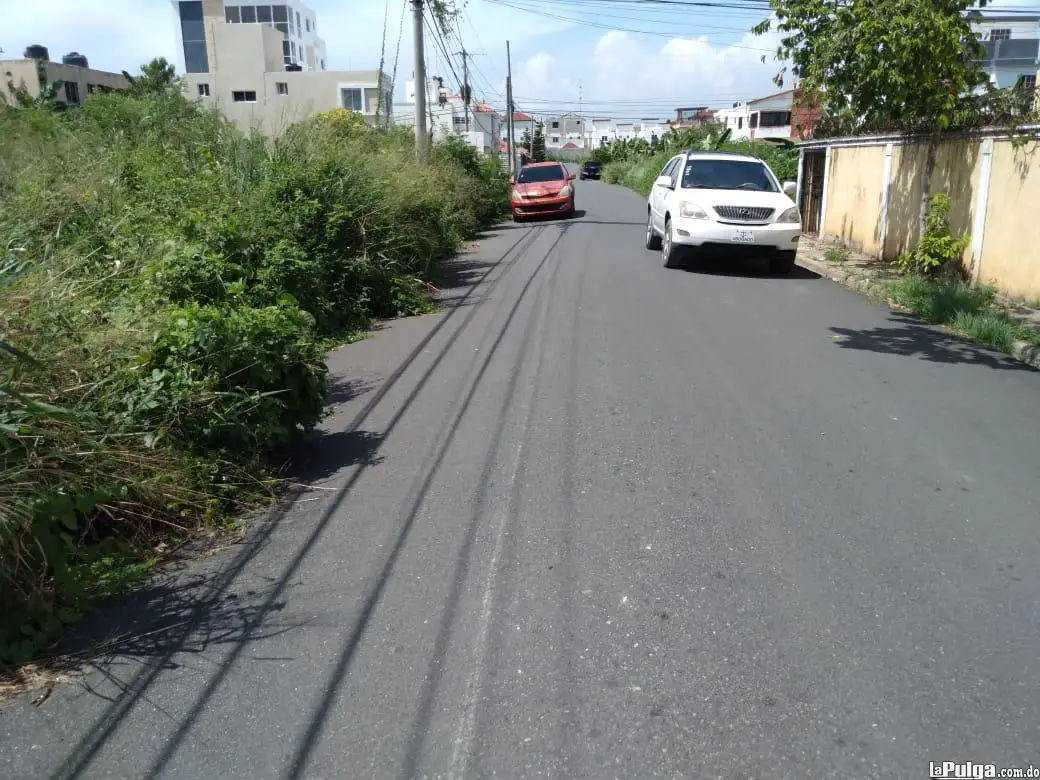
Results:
[75, 58]
[36, 52]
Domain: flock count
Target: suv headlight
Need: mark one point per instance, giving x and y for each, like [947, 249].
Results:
[565, 191]
[691, 210]
[791, 215]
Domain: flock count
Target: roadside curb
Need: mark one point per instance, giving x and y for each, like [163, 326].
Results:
[862, 283]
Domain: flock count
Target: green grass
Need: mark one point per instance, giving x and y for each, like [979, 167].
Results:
[966, 309]
[836, 254]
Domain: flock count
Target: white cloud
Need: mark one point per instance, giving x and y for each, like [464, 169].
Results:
[626, 76]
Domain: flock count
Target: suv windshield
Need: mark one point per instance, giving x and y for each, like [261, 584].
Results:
[541, 173]
[727, 175]
[592, 164]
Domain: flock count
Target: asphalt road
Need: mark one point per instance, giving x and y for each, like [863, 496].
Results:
[600, 519]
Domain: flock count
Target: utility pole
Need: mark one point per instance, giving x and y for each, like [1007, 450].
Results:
[465, 84]
[509, 110]
[420, 81]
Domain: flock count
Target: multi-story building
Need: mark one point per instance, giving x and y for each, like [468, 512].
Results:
[78, 79]
[264, 66]
[446, 116]
[1012, 47]
[564, 129]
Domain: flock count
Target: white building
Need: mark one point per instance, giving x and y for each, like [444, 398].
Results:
[1012, 47]
[737, 118]
[446, 117]
[651, 129]
[264, 73]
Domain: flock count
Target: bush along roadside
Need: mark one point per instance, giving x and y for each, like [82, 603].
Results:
[168, 288]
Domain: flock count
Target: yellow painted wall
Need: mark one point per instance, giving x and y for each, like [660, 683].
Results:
[854, 191]
[1011, 244]
[957, 166]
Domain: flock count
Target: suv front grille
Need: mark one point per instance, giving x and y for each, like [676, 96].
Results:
[744, 213]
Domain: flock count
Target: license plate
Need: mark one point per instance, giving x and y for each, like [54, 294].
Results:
[743, 237]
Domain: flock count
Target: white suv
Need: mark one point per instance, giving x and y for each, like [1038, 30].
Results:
[718, 202]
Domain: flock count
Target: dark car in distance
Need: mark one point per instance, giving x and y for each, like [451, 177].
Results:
[590, 170]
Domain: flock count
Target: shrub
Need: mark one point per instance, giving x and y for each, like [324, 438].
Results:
[837, 254]
[938, 252]
[174, 281]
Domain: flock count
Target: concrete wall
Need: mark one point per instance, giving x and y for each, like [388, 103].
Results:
[1011, 247]
[878, 215]
[854, 192]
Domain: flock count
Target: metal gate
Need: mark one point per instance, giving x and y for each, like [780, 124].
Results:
[812, 190]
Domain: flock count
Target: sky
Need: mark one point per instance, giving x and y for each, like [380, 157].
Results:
[603, 57]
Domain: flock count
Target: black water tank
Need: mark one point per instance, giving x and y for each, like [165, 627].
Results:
[75, 58]
[293, 67]
[37, 52]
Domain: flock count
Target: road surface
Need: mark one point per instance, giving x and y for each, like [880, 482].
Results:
[599, 519]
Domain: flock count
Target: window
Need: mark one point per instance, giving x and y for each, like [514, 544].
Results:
[232, 15]
[323, 64]
[1029, 81]
[282, 27]
[244, 96]
[308, 25]
[555, 125]
[292, 49]
[72, 93]
[740, 123]
[91, 88]
[281, 13]
[727, 175]
[248, 14]
[193, 34]
[541, 173]
[775, 119]
[753, 122]
[1000, 34]
[298, 25]
[203, 90]
[554, 139]
[263, 14]
[282, 87]
[350, 98]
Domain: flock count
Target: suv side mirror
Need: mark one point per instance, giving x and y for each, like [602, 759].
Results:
[571, 176]
[790, 188]
[663, 181]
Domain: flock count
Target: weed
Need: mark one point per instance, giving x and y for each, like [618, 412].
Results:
[939, 252]
[967, 309]
[837, 254]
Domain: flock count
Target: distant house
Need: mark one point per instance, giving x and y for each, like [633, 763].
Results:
[692, 117]
[737, 119]
[1012, 47]
[80, 80]
[781, 115]
[561, 129]
[522, 123]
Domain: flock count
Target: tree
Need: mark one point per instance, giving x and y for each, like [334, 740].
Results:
[157, 77]
[909, 65]
[538, 143]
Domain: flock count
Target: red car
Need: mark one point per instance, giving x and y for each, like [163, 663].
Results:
[542, 189]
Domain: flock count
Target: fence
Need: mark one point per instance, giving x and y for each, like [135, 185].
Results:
[869, 196]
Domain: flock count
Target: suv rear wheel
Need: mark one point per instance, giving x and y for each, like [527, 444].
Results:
[653, 241]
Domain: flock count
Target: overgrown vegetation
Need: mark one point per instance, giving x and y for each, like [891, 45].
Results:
[935, 286]
[636, 163]
[167, 290]
[970, 310]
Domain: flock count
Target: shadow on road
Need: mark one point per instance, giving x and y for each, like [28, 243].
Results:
[136, 640]
[744, 267]
[913, 338]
